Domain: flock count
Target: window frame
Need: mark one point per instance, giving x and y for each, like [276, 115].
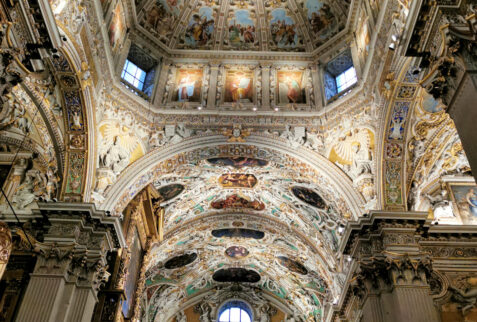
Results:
[135, 78]
[348, 82]
[235, 304]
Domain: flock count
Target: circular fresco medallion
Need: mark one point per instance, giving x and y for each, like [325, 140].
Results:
[308, 196]
[180, 261]
[292, 265]
[170, 191]
[236, 275]
[237, 252]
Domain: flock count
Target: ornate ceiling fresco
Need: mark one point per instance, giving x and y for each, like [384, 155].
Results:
[254, 183]
[258, 252]
[272, 195]
[271, 25]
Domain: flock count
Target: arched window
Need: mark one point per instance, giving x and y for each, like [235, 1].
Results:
[235, 311]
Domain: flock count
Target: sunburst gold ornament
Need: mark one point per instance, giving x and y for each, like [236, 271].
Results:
[110, 130]
[343, 152]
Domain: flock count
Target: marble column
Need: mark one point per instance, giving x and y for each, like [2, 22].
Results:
[390, 277]
[71, 263]
[396, 289]
[214, 72]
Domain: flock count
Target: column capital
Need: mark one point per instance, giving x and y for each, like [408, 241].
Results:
[384, 232]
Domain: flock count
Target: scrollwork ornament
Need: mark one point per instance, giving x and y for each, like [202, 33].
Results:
[5, 246]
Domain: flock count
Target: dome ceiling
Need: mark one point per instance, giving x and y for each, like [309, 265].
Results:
[243, 25]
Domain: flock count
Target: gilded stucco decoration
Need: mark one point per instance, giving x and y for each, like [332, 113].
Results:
[283, 279]
[252, 173]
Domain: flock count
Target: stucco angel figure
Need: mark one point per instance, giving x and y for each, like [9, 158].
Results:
[205, 312]
[29, 190]
[293, 139]
[314, 141]
[157, 139]
[264, 313]
[362, 161]
[51, 184]
[52, 98]
[181, 132]
[116, 157]
[441, 205]
[467, 298]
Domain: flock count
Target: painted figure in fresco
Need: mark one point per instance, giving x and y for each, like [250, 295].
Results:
[237, 180]
[292, 265]
[199, 30]
[293, 93]
[283, 29]
[170, 191]
[309, 196]
[238, 162]
[234, 201]
[283, 33]
[76, 123]
[159, 18]
[237, 252]
[117, 26]
[241, 28]
[396, 128]
[471, 199]
[238, 33]
[185, 89]
[241, 88]
[154, 15]
[321, 19]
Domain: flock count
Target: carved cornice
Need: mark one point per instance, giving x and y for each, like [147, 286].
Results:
[377, 224]
[71, 218]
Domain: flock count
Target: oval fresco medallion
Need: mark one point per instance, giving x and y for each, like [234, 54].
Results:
[237, 180]
[235, 201]
[308, 196]
[180, 261]
[292, 265]
[237, 162]
[237, 252]
[170, 191]
[238, 232]
[236, 275]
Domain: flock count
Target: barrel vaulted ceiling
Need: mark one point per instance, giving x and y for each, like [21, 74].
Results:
[262, 195]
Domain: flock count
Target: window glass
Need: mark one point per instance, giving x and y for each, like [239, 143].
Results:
[346, 79]
[133, 75]
[235, 311]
